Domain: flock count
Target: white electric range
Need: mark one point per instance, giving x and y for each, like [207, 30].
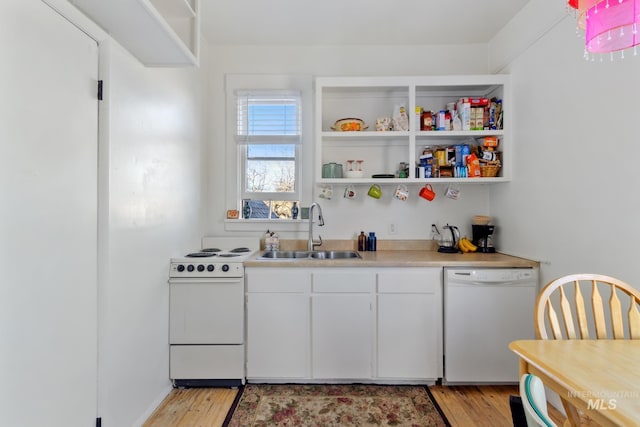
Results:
[206, 313]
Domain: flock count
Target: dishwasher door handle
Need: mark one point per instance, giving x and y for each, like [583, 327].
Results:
[490, 283]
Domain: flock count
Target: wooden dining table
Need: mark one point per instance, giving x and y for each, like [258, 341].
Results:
[601, 378]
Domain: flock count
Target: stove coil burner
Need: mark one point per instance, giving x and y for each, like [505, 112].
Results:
[211, 250]
[228, 255]
[240, 250]
[200, 255]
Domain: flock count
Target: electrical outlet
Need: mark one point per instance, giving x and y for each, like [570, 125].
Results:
[392, 228]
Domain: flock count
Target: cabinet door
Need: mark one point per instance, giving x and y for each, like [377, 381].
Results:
[277, 335]
[277, 322]
[410, 323]
[342, 335]
[343, 323]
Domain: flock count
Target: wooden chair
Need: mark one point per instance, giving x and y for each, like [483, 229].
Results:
[561, 307]
[588, 319]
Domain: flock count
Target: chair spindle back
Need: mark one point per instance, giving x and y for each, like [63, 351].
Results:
[568, 306]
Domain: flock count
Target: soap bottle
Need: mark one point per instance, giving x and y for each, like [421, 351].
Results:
[362, 242]
[267, 241]
[294, 210]
[371, 245]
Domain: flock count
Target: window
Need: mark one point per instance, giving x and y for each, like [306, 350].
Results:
[269, 136]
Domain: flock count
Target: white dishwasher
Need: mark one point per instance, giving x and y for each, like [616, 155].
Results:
[484, 310]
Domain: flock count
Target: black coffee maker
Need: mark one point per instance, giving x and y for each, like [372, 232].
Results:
[482, 237]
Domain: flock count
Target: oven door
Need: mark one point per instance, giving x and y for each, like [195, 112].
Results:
[206, 311]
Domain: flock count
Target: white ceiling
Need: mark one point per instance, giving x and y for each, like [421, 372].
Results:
[354, 22]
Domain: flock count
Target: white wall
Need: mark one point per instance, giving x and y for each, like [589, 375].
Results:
[150, 207]
[573, 201]
[152, 210]
[346, 218]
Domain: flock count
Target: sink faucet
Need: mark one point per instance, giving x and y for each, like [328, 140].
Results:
[313, 243]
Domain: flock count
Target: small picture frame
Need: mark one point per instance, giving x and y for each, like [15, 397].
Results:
[304, 213]
[233, 214]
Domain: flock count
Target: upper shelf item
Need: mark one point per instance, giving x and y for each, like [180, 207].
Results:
[349, 125]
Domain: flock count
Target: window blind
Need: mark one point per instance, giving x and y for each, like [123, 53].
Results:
[268, 117]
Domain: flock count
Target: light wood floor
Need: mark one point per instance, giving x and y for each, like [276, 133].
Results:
[466, 406]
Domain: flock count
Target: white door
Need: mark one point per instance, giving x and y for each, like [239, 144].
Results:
[277, 335]
[48, 218]
[410, 323]
[342, 343]
[342, 323]
[278, 322]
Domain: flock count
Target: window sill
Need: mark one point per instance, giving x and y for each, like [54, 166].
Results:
[262, 224]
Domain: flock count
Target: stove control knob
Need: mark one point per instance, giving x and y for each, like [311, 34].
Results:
[210, 267]
[201, 267]
[190, 268]
[180, 268]
[225, 267]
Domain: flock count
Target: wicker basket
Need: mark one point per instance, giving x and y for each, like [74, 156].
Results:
[489, 169]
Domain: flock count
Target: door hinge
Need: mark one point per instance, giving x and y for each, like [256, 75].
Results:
[99, 90]
[98, 422]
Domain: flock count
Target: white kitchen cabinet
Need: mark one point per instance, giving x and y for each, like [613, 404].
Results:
[369, 98]
[157, 32]
[409, 323]
[342, 307]
[277, 323]
[344, 324]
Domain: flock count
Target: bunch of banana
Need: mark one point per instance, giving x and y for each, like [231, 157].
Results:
[465, 245]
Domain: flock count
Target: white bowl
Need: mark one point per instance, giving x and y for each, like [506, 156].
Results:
[353, 174]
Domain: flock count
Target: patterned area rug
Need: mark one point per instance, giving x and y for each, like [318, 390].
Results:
[334, 405]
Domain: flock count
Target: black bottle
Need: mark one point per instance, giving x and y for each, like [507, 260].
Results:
[362, 242]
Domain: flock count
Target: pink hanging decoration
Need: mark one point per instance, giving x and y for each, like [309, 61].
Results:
[612, 25]
[581, 11]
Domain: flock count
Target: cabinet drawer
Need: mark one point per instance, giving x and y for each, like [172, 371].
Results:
[339, 280]
[290, 280]
[414, 280]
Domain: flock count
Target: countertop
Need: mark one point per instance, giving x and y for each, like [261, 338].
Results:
[397, 254]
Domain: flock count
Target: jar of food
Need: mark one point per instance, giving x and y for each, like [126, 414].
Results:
[332, 170]
[427, 121]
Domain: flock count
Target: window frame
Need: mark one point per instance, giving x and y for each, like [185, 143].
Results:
[245, 137]
[236, 157]
[265, 195]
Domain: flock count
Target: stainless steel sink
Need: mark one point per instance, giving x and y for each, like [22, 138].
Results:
[284, 254]
[309, 255]
[335, 254]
